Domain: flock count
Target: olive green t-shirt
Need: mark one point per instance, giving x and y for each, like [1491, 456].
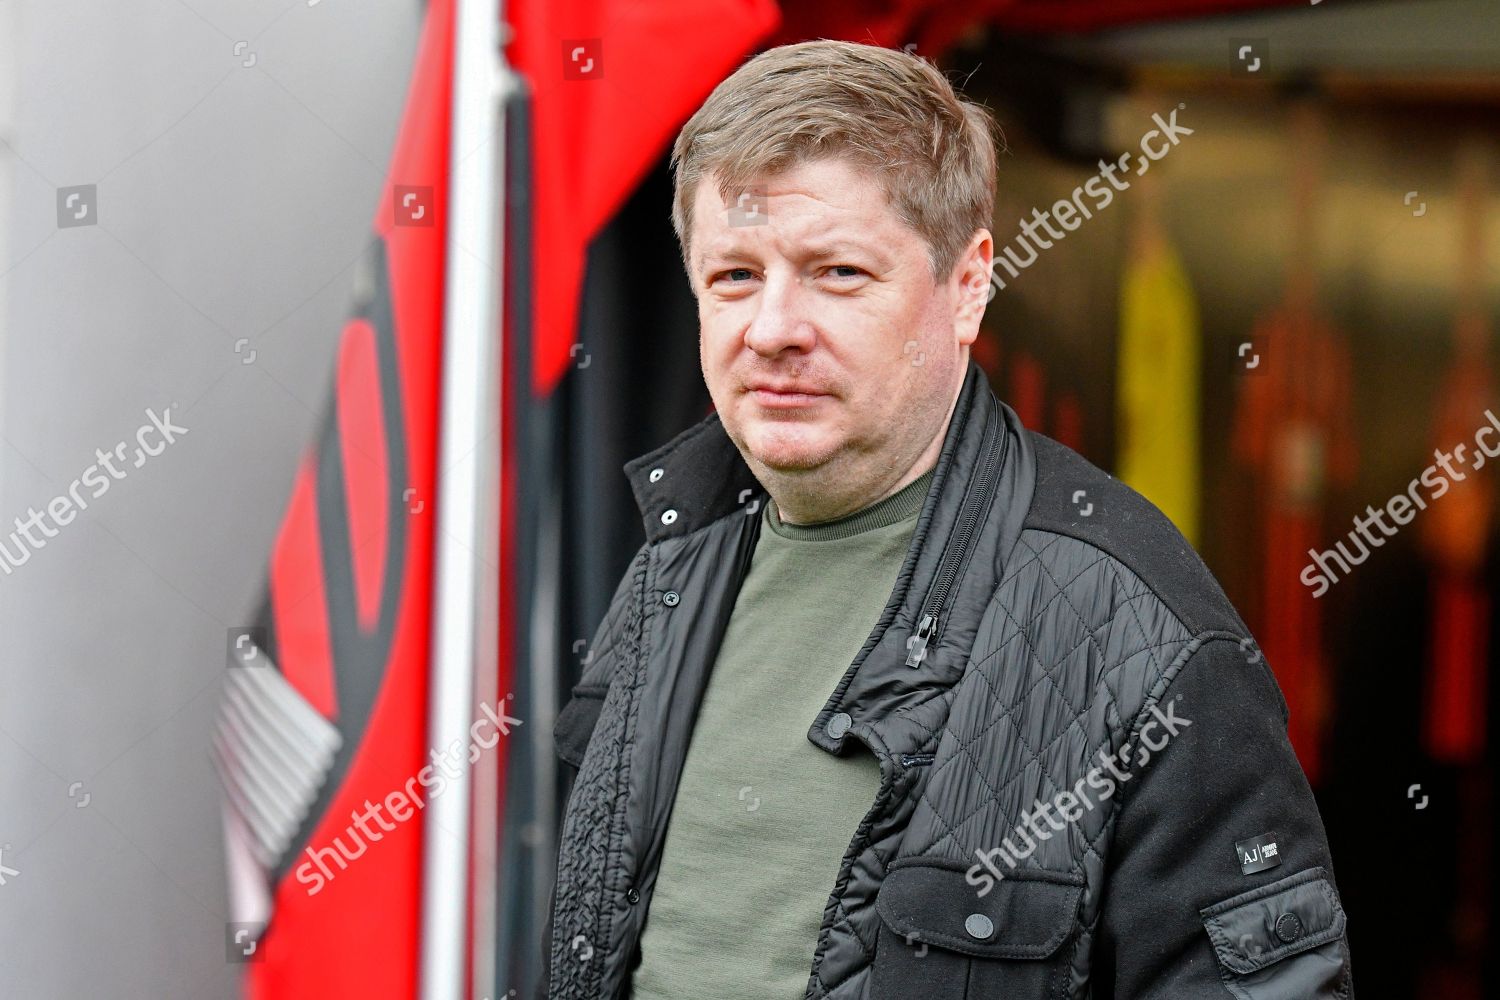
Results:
[763, 817]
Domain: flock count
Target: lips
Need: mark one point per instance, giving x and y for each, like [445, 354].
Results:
[787, 388]
[785, 395]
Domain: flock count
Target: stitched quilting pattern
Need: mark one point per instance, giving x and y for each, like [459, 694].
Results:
[581, 927]
[1066, 657]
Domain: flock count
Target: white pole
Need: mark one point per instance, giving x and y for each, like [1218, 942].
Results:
[10, 76]
[465, 610]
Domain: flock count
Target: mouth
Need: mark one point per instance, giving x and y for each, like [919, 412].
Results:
[785, 397]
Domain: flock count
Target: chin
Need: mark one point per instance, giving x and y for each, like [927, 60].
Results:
[790, 448]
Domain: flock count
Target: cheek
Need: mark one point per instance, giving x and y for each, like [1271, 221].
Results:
[917, 354]
[893, 341]
[716, 350]
[710, 332]
[718, 347]
[721, 320]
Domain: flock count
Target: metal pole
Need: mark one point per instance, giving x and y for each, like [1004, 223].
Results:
[465, 612]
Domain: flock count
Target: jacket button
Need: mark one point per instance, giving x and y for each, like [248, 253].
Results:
[668, 516]
[670, 598]
[632, 895]
[656, 474]
[838, 725]
[979, 926]
[1288, 927]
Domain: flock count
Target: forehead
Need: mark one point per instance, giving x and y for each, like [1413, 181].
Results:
[827, 202]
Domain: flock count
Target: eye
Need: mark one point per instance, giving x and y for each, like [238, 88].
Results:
[736, 276]
[856, 271]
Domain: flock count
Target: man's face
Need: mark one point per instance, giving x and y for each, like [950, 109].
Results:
[827, 347]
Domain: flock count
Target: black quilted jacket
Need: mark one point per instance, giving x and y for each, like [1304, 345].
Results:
[1087, 790]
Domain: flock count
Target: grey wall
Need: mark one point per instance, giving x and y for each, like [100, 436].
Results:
[232, 202]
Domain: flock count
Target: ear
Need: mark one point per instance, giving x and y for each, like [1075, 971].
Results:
[971, 281]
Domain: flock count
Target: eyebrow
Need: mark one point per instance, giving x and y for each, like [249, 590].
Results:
[840, 248]
[834, 248]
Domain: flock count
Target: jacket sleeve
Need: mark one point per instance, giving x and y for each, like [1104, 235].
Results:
[1219, 881]
[575, 723]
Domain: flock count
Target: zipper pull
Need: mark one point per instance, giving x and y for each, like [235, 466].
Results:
[916, 643]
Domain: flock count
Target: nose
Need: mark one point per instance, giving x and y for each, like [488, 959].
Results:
[781, 318]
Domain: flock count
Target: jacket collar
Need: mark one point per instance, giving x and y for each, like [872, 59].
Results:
[692, 481]
[699, 476]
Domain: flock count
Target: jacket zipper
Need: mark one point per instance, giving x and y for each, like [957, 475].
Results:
[975, 503]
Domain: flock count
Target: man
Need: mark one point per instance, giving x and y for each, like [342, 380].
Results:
[900, 699]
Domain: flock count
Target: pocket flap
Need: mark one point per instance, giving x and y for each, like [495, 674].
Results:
[575, 723]
[1262, 926]
[1027, 914]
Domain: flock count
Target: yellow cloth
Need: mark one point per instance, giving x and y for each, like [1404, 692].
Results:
[1157, 405]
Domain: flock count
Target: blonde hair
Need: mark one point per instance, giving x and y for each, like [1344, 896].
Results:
[886, 109]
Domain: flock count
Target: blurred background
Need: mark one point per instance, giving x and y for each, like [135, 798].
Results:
[1272, 328]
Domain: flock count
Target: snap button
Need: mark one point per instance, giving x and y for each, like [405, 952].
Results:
[668, 516]
[656, 474]
[979, 926]
[838, 725]
[1288, 927]
[670, 598]
[632, 895]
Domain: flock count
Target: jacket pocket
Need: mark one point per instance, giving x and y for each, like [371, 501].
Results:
[938, 937]
[1285, 939]
[575, 723]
